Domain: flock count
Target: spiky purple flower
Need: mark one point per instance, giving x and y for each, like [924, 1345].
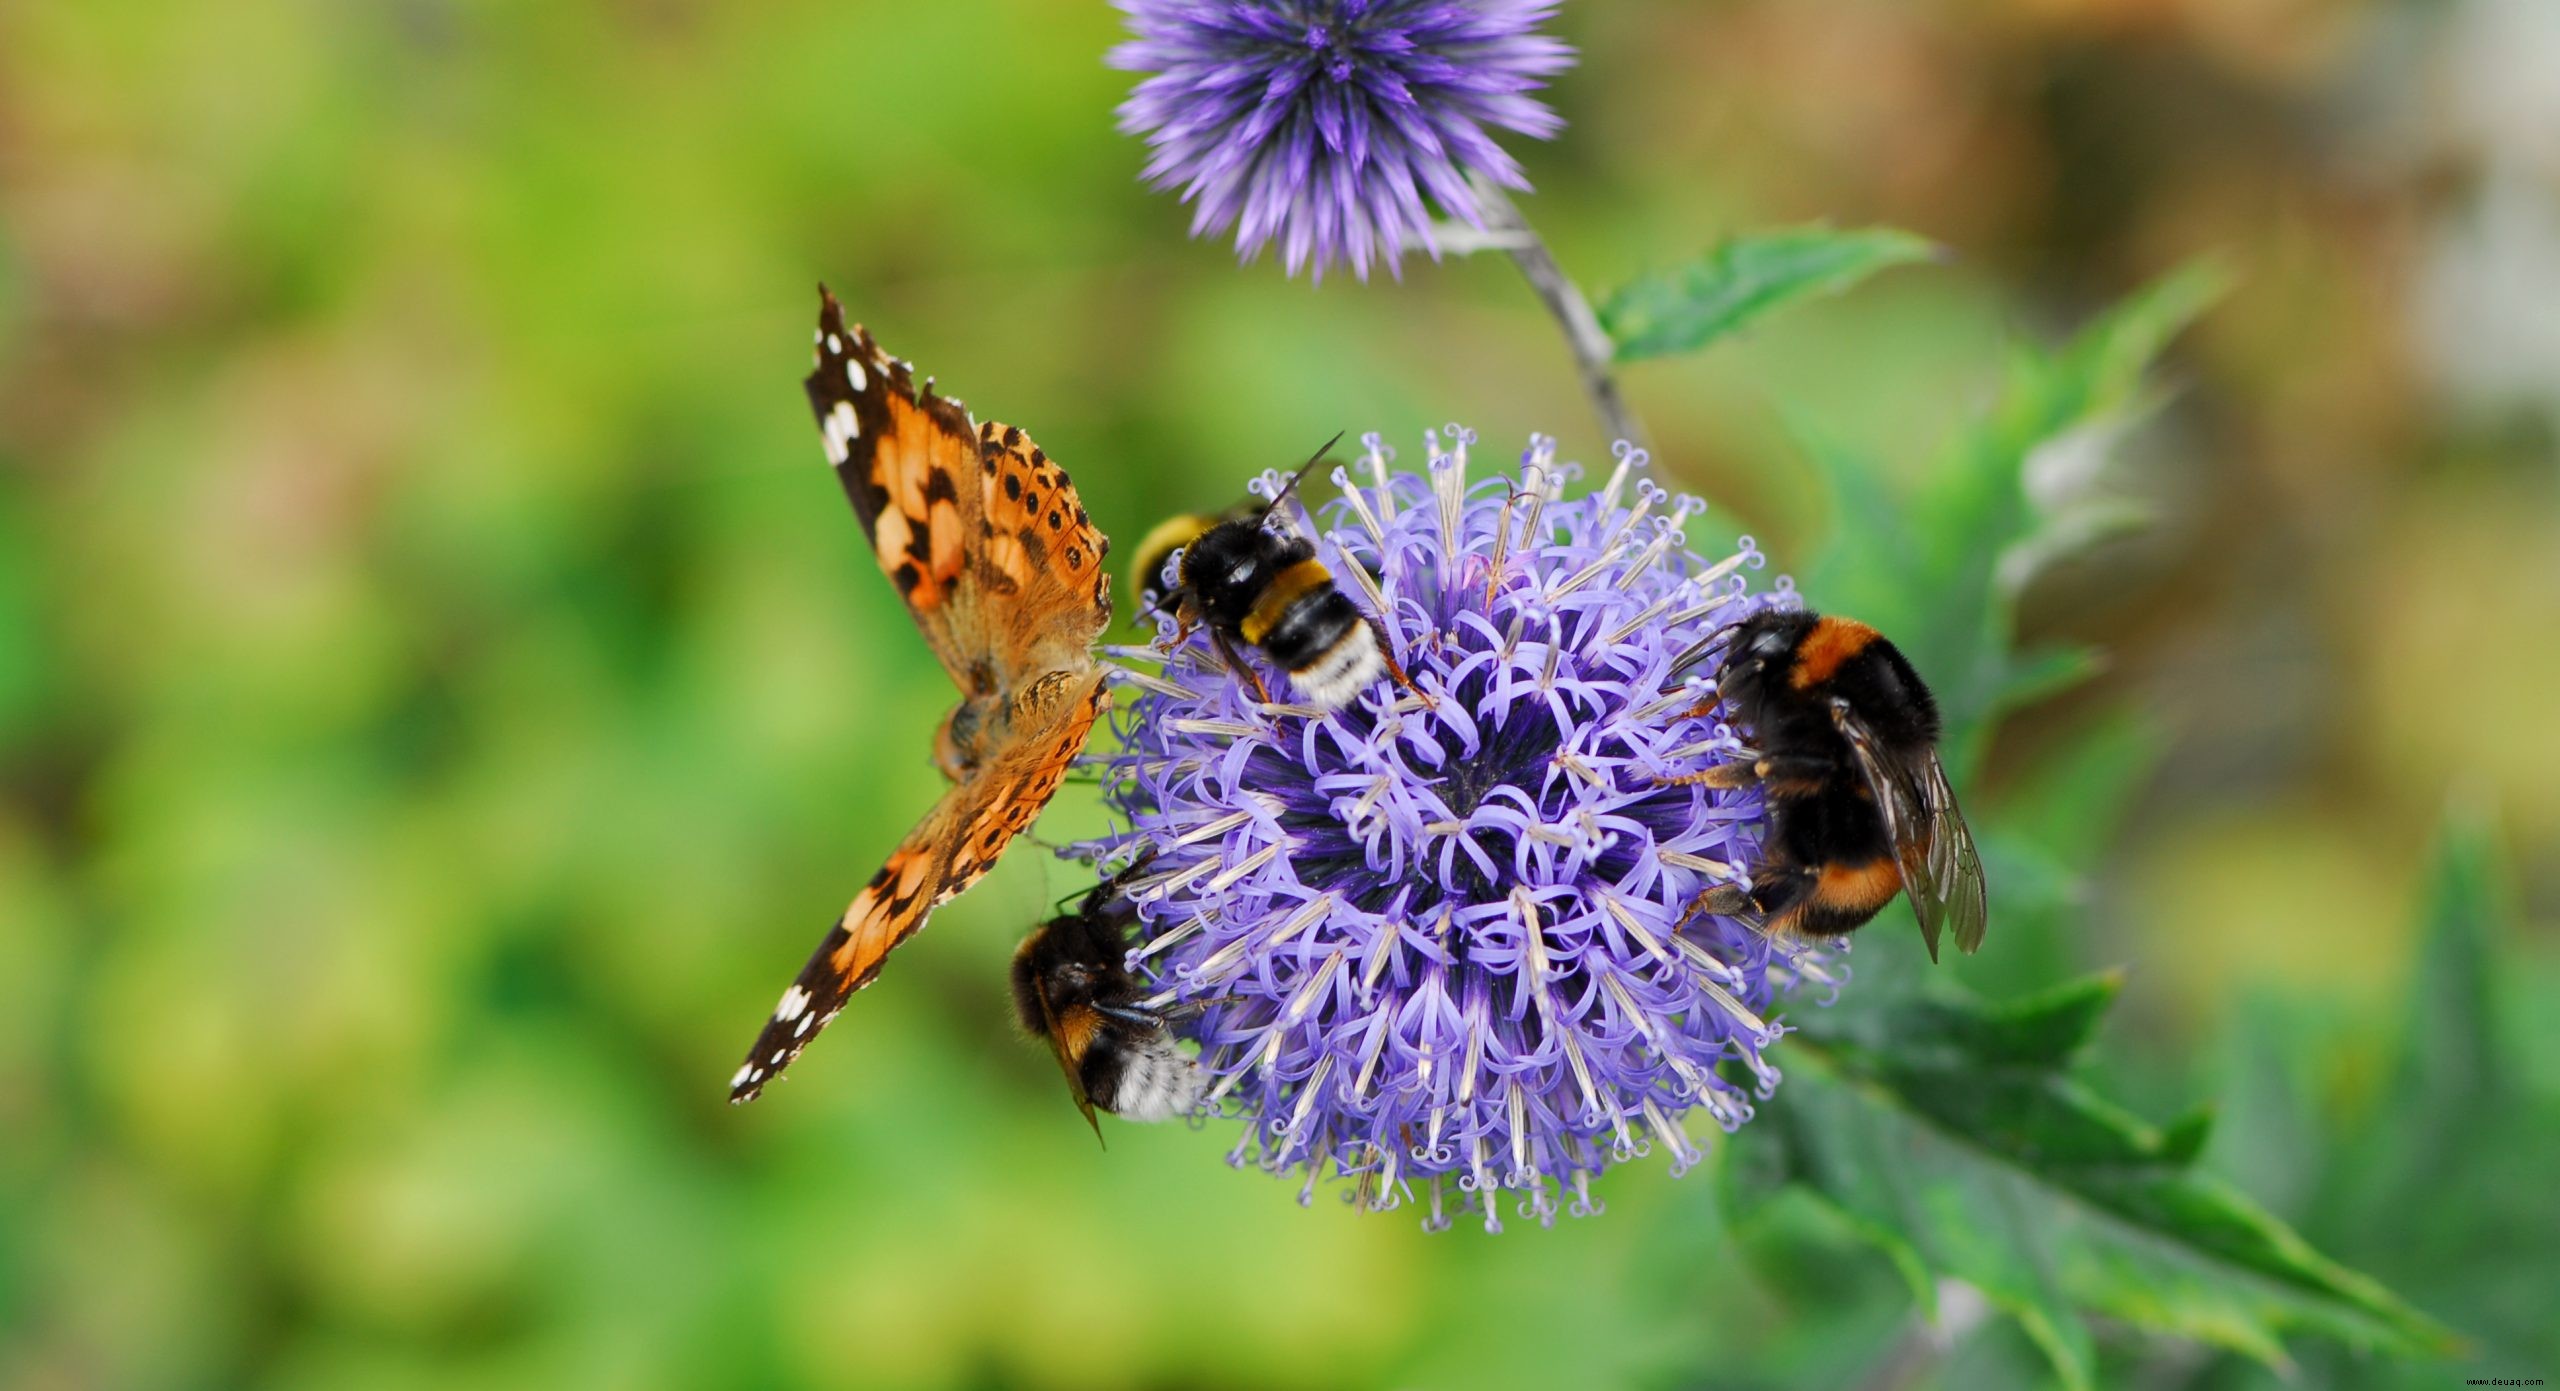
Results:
[1323, 124]
[1445, 938]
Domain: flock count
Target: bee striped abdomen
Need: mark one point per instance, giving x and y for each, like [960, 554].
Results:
[1852, 893]
[1317, 635]
[1279, 604]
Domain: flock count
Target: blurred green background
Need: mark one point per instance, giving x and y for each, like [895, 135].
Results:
[442, 695]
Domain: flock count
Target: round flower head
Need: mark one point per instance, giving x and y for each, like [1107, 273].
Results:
[1442, 934]
[1323, 124]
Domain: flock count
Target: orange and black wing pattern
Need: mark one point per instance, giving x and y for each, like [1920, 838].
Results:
[952, 848]
[984, 537]
[909, 461]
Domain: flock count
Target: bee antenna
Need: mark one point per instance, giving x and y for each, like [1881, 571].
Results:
[1292, 485]
[1697, 652]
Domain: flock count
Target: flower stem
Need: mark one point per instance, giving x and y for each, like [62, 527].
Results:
[1506, 229]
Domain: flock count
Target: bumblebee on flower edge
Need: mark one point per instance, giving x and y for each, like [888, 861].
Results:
[1250, 585]
[1859, 804]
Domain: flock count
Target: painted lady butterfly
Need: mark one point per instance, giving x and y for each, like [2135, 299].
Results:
[983, 535]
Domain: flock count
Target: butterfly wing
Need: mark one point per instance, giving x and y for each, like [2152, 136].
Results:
[984, 537]
[1039, 561]
[952, 848]
[909, 462]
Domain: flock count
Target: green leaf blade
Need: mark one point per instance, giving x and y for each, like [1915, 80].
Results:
[1953, 1133]
[1688, 307]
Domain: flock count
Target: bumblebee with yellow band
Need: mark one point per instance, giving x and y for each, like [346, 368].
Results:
[1248, 584]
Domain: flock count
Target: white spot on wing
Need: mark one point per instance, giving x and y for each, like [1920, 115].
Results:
[840, 428]
[835, 344]
[855, 377]
[746, 1074]
[794, 1000]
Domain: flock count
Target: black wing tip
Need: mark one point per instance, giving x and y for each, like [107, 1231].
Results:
[749, 1083]
[764, 1065]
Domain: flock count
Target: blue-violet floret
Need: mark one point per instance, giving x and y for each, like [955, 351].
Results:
[1440, 936]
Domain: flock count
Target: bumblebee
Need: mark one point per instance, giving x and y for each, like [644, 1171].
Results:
[1859, 805]
[1072, 988]
[1253, 586]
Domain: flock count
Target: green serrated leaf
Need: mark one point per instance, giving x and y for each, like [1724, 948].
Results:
[2452, 1094]
[2442, 1184]
[2183, 1140]
[1690, 306]
[1952, 1131]
[2453, 1056]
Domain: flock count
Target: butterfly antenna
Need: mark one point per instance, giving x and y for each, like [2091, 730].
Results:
[1292, 485]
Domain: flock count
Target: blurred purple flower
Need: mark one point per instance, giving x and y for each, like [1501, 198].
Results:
[1446, 940]
[1324, 123]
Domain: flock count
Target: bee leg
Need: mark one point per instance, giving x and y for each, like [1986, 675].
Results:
[1722, 901]
[1387, 654]
[1776, 891]
[1235, 663]
[1782, 774]
[1745, 773]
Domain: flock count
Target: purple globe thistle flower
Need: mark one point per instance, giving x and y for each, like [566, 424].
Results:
[1445, 938]
[1324, 123]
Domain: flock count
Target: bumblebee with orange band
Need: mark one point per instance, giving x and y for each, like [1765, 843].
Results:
[1073, 990]
[1859, 805]
[1248, 584]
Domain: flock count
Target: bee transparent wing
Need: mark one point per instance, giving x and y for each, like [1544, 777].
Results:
[1051, 1034]
[1941, 871]
[1940, 867]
